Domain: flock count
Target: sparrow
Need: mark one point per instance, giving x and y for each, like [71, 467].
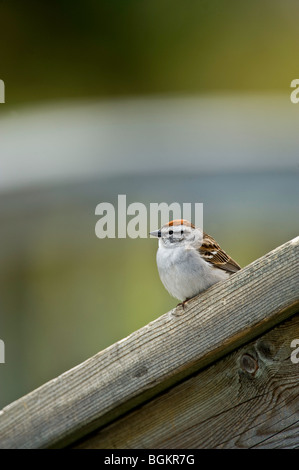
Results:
[189, 260]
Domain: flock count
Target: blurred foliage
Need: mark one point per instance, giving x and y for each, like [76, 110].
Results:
[106, 48]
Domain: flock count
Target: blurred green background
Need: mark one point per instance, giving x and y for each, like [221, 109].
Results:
[161, 101]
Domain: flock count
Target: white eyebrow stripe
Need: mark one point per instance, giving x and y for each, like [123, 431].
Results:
[177, 228]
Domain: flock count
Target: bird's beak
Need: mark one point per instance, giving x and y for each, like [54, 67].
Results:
[156, 233]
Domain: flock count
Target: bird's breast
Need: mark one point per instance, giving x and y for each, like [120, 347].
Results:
[184, 273]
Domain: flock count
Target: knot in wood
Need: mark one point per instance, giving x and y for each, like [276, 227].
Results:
[140, 371]
[266, 349]
[249, 364]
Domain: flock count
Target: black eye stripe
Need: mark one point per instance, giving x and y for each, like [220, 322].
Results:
[171, 232]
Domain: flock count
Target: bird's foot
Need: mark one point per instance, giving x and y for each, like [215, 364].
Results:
[182, 304]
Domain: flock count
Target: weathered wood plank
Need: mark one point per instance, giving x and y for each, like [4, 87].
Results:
[157, 356]
[248, 399]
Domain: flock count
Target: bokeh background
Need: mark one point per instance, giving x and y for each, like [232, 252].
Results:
[161, 101]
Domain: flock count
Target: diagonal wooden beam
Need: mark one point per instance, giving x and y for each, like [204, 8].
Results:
[247, 399]
[157, 356]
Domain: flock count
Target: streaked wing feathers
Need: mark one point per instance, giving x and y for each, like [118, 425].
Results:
[212, 253]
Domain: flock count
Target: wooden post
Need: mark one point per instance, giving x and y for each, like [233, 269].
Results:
[248, 399]
[162, 357]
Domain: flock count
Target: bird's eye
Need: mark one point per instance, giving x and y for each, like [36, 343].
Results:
[170, 232]
[182, 231]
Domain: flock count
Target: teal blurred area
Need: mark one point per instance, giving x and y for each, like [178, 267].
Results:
[160, 101]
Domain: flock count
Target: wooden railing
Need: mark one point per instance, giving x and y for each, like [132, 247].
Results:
[215, 374]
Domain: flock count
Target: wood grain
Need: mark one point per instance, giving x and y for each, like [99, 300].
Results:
[249, 399]
[157, 356]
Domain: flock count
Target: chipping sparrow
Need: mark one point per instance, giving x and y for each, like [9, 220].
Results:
[190, 261]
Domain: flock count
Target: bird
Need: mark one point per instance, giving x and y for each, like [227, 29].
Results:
[189, 260]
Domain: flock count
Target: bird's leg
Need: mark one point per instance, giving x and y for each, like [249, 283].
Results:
[182, 304]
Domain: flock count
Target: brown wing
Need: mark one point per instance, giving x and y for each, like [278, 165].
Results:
[212, 253]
